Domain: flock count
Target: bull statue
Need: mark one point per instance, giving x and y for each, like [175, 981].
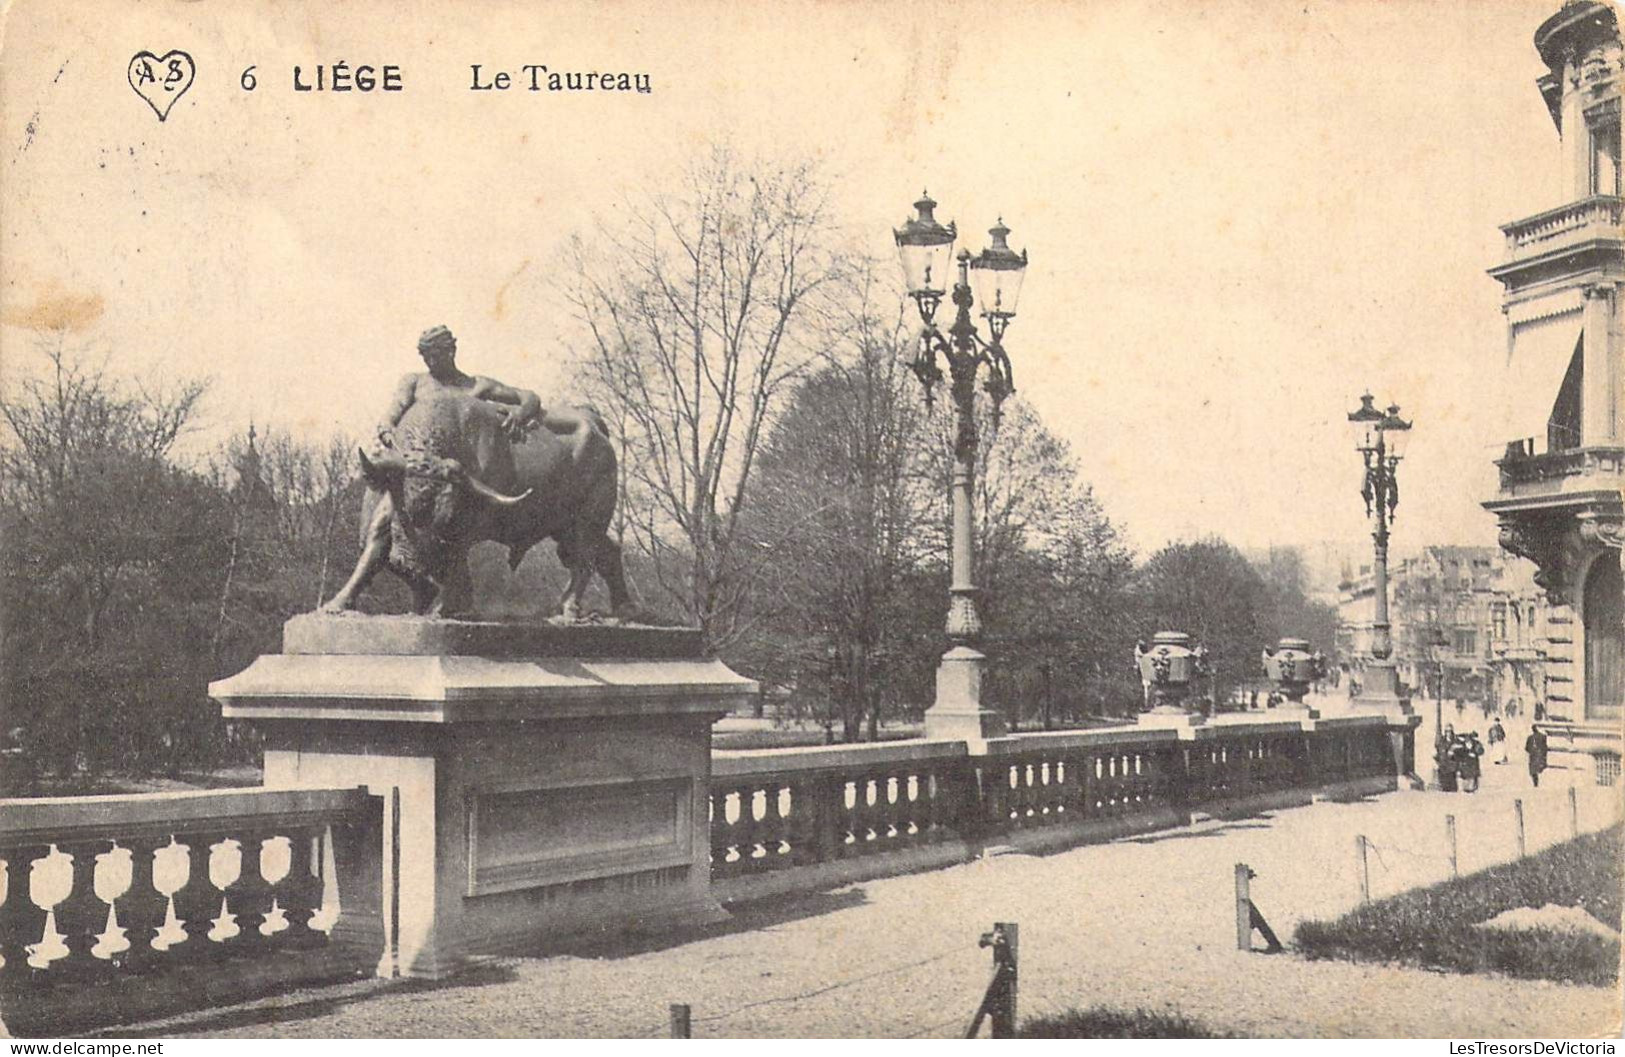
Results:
[456, 465]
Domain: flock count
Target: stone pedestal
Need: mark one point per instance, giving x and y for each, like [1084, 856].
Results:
[1379, 691]
[958, 713]
[1293, 710]
[539, 781]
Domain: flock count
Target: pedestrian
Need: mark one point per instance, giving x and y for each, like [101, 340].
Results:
[1468, 750]
[1540, 710]
[1443, 761]
[1536, 748]
[1498, 740]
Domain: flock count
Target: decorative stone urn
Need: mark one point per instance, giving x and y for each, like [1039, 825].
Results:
[1293, 667]
[1168, 667]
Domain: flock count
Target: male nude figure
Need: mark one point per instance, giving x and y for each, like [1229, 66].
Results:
[438, 348]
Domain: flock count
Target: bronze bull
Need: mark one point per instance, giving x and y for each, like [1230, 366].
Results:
[456, 479]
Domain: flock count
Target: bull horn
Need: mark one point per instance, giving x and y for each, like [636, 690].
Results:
[491, 493]
[387, 462]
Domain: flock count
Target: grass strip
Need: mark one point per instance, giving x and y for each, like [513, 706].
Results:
[1434, 927]
[1099, 1022]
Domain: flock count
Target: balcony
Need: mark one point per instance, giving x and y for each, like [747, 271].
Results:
[1587, 227]
[1558, 473]
[1508, 650]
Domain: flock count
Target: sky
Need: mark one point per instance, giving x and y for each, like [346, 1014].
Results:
[1239, 215]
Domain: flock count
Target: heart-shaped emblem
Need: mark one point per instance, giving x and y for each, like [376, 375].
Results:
[161, 80]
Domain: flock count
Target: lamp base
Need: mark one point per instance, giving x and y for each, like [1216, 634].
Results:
[1380, 691]
[958, 714]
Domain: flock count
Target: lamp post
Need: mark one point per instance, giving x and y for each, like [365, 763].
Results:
[1380, 437]
[992, 279]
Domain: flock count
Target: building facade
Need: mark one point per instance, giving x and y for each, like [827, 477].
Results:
[1468, 623]
[1559, 500]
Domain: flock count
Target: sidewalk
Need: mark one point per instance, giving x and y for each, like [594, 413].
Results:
[1146, 922]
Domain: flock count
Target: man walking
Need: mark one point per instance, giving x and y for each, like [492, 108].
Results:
[1536, 748]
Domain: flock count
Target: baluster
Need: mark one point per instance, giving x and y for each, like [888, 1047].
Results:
[801, 823]
[746, 828]
[892, 796]
[758, 812]
[251, 895]
[1010, 813]
[81, 917]
[917, 807]
[848, 806]
[881, 820]
[777, 825]
[21, 922]
[299, 894]
[738, 802]
[1024, 795]
[142, 908]
[197, 902]
[867, 824]
[721, 831]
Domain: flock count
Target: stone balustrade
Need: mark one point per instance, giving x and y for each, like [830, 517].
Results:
[166, 900]
[1519, 468]
[124, 890]
[789, 819]
[1594, 217]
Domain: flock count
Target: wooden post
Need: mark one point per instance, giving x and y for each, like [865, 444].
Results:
[1450, 835]
[1244, 907]
[1517, 811]
[999, 1003]
[1574, 814]
[680, 1021]
[1365, 871]
[1008, 1006]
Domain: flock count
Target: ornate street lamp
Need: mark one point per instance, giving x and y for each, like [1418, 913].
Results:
[1380, 437]
[992, 279]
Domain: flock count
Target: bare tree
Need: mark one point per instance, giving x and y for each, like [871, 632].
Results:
[697, 313]
[108, 547]
[72, 438]
[842, 511]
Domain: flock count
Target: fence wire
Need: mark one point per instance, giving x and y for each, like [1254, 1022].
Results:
[838, 985]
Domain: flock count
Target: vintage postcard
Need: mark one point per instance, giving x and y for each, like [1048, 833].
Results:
[1075, 518]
